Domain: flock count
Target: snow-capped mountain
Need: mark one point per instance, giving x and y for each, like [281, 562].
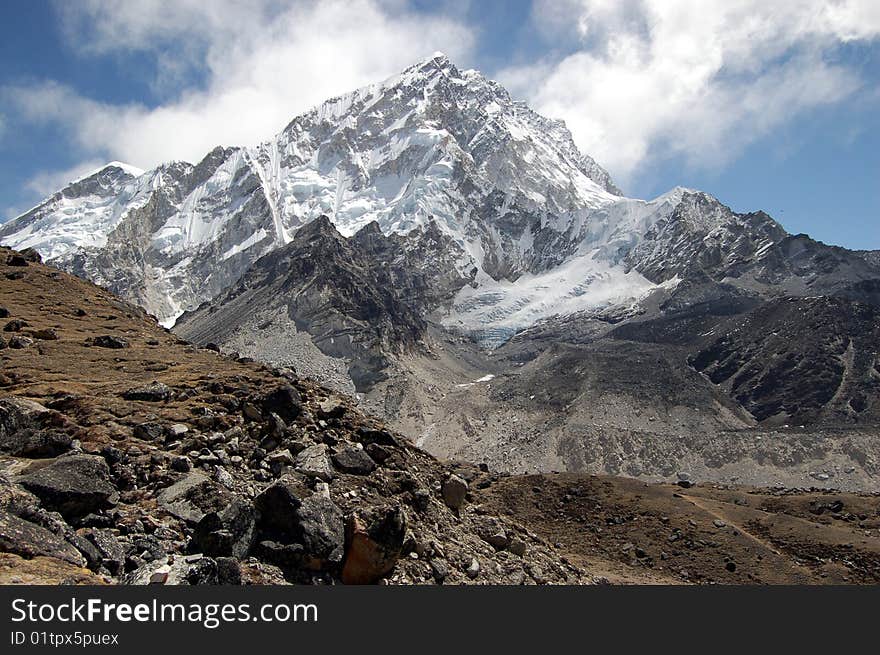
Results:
[432, 144]
[537, 228]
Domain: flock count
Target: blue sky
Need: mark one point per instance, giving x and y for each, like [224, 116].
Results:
[774, 108]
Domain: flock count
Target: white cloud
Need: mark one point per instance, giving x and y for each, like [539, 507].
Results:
[262, 63]
[646, 79]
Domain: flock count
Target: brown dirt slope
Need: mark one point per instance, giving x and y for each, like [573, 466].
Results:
[632, 532]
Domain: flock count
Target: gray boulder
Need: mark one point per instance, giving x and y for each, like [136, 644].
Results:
[193, 496]
[74, 485]
[26, 430]
[29, 540]
[315, 462]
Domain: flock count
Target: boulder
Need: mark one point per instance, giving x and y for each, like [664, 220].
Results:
[20, 342]
[74, 485]
[110, 553]
[373, 544]
[284, 401]
[353, 460]
[47, 334]
[15, 325]
[193, 496]
[30, 540]
[291, 514]
[149, 431]
[31, 255]
[16, 260]
[26, 430]
[228, 532]
[277, 505]
[454, 490]
[315, 462]
[493, 533]
[322, 531]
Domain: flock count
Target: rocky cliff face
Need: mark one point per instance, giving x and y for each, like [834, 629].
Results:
[360, 300]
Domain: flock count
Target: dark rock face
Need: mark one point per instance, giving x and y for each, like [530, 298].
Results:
[15, 325]
[74, 485]
[799, 360]
[361, 299]
[149, 431]
[284, 401]
[107, 551]
[353, 460]
[277, 505]
[20, 342]
[322, 531]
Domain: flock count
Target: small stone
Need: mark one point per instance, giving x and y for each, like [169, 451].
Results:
[354, 460]
[149, 431]
[47, 334]
[181, 463]
[439, 569]
[110, 341]
[15, 325]
[177, 430]
[315, 462]
[155, 392]
[517, 547]
[159, 577]
[251, 412]
[20, 342]
[473, 569]
[718, 523]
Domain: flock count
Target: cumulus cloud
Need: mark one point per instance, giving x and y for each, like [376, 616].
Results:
[642, 80]
[637, 81]
[258, 64]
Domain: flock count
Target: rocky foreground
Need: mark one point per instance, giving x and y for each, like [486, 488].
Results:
[130, 456]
